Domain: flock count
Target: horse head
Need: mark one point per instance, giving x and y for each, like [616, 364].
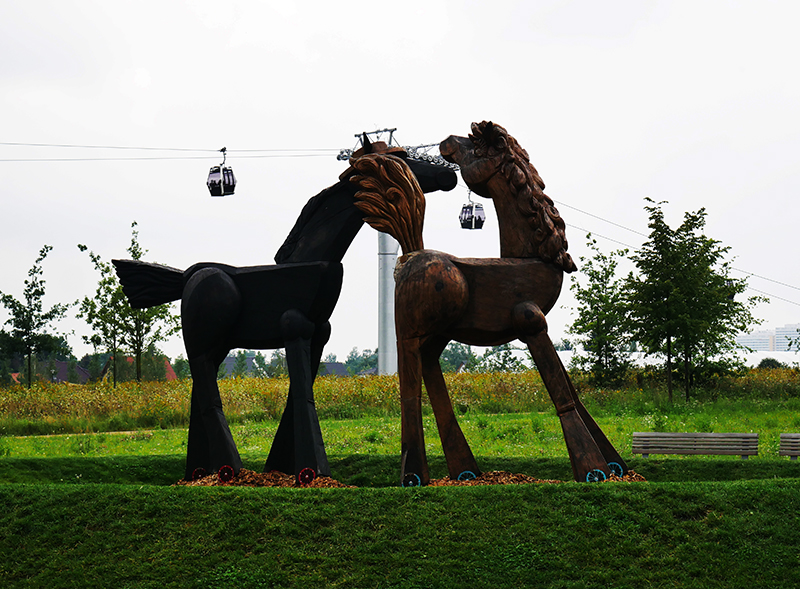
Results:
[495, 166]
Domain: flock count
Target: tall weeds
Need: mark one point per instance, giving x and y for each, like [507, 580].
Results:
[62, 408]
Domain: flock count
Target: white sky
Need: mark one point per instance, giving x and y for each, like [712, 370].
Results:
[692, 102]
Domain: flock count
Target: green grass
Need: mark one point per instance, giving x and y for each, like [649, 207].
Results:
[99, 510]
[736, 534]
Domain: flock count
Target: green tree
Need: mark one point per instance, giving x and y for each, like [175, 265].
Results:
[181, 368]
[683, 302]
[239, 369]
[277, 367]
[107, 313]
[146, 327]
[29, 322]
[456, 355]
[357, 363]
[498, 359]
[600, 324]
[119, 328]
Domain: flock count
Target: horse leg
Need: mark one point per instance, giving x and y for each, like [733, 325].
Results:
[460, 460]
[210, 445]
[615, 462]
[307, 445]
[282, 453]
[209, 308]
[414, 463]
[588, 462]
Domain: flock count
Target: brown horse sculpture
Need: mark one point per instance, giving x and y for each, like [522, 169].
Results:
[477, 301]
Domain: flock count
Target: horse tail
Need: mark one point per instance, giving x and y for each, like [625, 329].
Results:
[390, 198]
[148, 285]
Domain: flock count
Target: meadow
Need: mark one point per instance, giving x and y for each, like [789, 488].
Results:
[87, 473]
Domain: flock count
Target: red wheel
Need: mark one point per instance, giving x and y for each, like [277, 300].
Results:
[198, 473]
[225, 474]
[306, 476]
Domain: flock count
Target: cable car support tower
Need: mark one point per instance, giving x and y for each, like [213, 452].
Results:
[387, 255]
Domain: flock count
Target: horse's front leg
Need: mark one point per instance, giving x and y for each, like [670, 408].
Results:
[307, 446]
[282, 453]
[414, 463]
[588, 462]
[461, 462]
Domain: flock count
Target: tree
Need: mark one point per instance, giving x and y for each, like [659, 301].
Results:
[498, 359]
[683, 303]
[239, 369]
[146, 327]
[358, 363]
[106, 313]
[600, 325]
[29, 321]
[181, 367]
[116, 325]
[456, 355]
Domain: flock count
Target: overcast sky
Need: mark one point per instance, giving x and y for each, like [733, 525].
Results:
[695, 103]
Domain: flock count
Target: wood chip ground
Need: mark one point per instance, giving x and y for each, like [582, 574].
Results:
[249, 478]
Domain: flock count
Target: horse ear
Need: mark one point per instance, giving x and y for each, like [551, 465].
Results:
[367, 145]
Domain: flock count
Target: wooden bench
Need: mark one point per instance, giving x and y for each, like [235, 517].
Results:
[646, 443]
[789, 446]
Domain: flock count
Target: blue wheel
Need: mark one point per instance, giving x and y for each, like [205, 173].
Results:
[616, 469]
[595, 476]
[412, 480]
[467, 475]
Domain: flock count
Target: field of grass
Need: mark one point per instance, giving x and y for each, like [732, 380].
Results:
[95, 507]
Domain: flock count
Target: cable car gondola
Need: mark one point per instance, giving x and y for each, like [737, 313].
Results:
[472, 215]
[221, 181]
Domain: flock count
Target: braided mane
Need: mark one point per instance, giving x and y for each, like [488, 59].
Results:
[537, 208]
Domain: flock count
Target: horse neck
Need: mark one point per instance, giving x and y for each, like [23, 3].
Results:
[326, 227]
[516, 234]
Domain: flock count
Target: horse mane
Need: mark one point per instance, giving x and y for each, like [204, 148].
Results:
[549, 235]
[391, 198]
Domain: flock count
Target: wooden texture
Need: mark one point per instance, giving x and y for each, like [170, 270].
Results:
[440, 298]
[701, 443]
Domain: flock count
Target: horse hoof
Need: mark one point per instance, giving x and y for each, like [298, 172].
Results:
[595, 476]
[225, 474]
[412, 480]
[467, 475]
[306, 476]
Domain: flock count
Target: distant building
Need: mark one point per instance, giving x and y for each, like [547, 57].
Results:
[760, 341]
[771, 340]
[785, 335]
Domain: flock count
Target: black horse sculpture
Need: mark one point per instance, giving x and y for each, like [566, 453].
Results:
[287, 305]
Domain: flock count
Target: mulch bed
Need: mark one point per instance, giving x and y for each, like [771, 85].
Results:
[249, 478]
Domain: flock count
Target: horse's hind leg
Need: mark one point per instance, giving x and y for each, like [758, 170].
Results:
[460, 460]
[414, 463]
[210, 445]
[209, 308]
[588, 462]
